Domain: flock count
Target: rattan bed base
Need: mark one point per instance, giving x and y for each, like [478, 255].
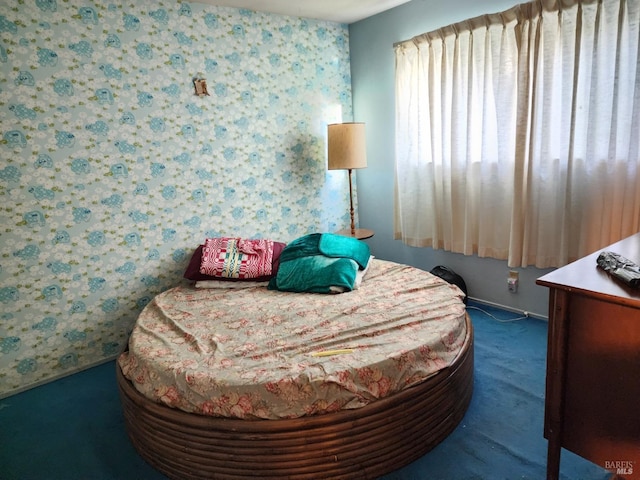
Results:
[362, 443]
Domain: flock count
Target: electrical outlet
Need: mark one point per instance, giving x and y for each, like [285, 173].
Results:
[512, 281]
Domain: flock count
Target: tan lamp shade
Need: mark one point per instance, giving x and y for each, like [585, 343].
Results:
[346, 146]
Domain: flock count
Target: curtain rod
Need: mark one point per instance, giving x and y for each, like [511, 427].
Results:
[519, 11]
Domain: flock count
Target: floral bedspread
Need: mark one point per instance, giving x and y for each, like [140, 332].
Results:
[258, 353]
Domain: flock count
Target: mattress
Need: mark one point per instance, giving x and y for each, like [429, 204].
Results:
[243, 351]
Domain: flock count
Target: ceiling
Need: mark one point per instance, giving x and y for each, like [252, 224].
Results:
[341, 11]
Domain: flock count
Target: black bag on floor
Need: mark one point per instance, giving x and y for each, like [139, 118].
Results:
[450, 276]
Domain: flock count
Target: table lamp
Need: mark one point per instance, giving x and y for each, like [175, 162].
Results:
[346, 151]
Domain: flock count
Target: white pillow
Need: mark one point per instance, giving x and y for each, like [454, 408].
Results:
[222, 284]
[361, 273]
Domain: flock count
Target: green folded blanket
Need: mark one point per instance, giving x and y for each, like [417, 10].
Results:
[338, 246]
[319, 261]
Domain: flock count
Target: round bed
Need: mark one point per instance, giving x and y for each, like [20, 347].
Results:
[364, 434]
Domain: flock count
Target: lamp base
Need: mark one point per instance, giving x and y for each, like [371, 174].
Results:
[360, 233]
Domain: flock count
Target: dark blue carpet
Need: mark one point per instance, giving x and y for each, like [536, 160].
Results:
[73, 429]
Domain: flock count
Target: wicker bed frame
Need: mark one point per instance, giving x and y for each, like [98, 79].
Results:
[361, 443]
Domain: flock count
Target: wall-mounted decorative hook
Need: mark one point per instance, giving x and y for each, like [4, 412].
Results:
[200, 84]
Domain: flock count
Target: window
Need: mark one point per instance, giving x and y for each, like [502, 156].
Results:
[517, 134]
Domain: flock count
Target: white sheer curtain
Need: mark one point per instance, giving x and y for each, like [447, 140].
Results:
[517, 134]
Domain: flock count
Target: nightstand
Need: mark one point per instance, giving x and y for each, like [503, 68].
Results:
[360, 233]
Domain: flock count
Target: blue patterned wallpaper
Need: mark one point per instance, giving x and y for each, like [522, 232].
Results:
[112, 170]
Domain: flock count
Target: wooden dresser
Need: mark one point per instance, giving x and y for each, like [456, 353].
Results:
[592, 405]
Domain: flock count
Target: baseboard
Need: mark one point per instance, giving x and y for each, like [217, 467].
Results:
[524, 313]
[57, 377]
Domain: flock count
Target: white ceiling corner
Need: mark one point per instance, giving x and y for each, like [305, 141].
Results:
[340, 11]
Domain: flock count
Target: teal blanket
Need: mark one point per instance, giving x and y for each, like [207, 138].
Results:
[319, 261]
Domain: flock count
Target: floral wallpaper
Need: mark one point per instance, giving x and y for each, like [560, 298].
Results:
[112, 170]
